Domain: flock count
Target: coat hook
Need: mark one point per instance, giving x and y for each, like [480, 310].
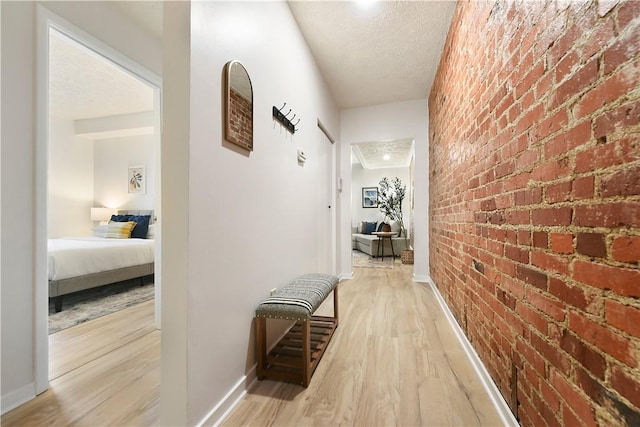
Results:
[288, 112]
[296, 124]
[280, 109]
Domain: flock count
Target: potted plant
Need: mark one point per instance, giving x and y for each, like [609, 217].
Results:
[391, 193]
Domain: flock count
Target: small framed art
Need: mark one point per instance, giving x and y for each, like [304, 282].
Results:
[137, 180]
[369, 197]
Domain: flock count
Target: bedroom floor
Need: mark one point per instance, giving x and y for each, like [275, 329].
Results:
[394, 360]
[102, 372]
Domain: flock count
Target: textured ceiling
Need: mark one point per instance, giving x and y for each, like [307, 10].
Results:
[375, 52]
[372, 155]
[85, 85]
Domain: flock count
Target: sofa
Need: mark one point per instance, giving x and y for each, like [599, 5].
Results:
[364, 241]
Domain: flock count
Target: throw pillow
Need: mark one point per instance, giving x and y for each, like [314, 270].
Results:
[119, 230]
[369, 227]
[142, 224]
[386, 228]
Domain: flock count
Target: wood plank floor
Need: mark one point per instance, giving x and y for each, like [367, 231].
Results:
[102, 372]
[393, 360]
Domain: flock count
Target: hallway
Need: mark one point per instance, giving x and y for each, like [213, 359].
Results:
[394, 360]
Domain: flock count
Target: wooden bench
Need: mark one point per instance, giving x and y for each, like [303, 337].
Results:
[295, 357]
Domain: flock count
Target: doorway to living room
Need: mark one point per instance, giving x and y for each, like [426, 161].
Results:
[377, 239]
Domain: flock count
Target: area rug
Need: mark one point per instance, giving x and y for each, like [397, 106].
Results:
[360, 259]
[90, 304]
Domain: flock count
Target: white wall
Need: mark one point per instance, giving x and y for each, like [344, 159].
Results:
[111, 162]
[379, 123]
[18, 145]
[70, 180]
[360, 178]
[255, 221]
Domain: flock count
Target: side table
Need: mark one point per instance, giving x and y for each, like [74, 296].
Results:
[381, 236]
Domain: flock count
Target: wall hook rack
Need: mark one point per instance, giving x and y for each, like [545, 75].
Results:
[282, 118]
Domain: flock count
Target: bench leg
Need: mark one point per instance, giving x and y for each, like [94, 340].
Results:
[261, 339]
[57, 303]
[306, 352]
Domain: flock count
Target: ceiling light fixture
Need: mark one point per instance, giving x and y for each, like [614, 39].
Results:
[386, 157]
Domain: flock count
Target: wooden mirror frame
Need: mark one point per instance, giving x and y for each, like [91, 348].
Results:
[238, 115]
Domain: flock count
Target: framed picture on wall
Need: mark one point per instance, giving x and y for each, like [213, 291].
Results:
[137, 180]
[369, 197]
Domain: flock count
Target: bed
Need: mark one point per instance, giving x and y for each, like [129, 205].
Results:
[80, 263]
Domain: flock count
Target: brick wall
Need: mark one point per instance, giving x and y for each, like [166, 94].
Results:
[535, 202]
[240, 120]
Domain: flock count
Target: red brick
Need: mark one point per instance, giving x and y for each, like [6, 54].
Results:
[517, 181]
[532, 318]
[621, 51]
[590, 386]
[591, 244]
[530, 118]
[581, 79]
[561, 242]
[605, 6]
[577, 136]
[579, 404]
[623, 317]
[627, 384]
[517, 217]
[617, 85]
[551, 216]
[531, 196]
[610, 154]
[572, 295]
[601, 36]
[516, 254]
[551, 352]
[603, 338]
[623, 117]
[583, 188]
[551, 171]
[545, 304]
[617, 214]
[626, 249]
[623, 281]
[560, 192]
[551, 124]
[524, 237]
[549, 262]
[531, 277]
[627, 13]
[540, 239]
[593, 361]
[621, 183]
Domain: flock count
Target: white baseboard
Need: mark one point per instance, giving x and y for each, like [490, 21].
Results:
[421, 279]
[346, 276]
[15, 398]
[489, 385]
[231, 400]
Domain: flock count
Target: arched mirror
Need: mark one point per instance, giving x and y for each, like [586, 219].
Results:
[238, 105]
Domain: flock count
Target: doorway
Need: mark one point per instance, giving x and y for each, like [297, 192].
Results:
[54, 34]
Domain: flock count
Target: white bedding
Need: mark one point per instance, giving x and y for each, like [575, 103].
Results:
[77, 256]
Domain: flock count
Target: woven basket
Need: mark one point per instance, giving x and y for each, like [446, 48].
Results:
[407, 256]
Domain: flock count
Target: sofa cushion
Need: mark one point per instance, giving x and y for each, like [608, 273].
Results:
[369, 227]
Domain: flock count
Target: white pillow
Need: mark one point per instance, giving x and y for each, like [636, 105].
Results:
[100, 231]
[152, 231]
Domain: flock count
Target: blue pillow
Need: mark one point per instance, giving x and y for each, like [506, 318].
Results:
[142, 224]
[369, 227]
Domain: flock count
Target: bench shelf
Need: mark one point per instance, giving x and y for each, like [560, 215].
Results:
[296, 356]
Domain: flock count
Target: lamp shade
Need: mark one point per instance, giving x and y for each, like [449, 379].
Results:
[101, 214]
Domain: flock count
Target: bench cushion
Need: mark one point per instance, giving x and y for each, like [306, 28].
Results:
[300, 298]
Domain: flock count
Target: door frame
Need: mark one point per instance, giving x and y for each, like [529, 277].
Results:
[44, 22]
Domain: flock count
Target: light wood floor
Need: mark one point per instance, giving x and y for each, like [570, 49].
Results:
[392, 361]
[103, 372]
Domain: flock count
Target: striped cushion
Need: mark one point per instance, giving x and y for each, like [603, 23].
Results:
[119, 230]
[300, 298]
